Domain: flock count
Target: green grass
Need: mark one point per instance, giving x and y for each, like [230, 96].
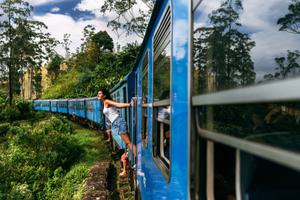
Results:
[94, 150]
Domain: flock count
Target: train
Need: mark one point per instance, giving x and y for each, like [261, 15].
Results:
[216, 95]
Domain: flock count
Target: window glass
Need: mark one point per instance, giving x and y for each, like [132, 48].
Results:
[161, 82]
[161, 94]
[145, 99]
[239, 43]
[276, 124]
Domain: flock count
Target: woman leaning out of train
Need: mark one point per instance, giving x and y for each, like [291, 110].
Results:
[117, 122]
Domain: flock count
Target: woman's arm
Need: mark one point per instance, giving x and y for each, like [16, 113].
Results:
[115, 104]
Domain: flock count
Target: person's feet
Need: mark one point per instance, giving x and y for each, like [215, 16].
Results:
[123, 174]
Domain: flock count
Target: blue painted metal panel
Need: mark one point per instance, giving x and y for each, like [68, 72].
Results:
[54, 106]
[98, 112]
[93, 109]
[62, 106]
[42, 105]
[119, 99]
[77, 107]
[151, 182]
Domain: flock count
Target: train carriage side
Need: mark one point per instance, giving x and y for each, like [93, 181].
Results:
[42, 105]
[162, 117]
[93, 110]
[62, 106]
[77, 107]
[123, 92]
[54, 105]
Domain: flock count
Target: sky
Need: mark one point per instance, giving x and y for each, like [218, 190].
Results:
[259, 20]
[71, 16]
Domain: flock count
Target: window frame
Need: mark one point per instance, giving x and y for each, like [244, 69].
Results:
[161, 41]
[145, 117]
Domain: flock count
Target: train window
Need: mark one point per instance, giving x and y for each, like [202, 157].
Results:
[246, 68]
[145, 99]
[161, 94]
[238, 45]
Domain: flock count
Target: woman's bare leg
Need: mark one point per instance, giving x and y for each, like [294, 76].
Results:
[128, 142]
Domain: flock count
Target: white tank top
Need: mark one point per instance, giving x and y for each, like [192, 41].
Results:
[111, 113]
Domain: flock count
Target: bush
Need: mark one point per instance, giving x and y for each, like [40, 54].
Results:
[11, 113]
[4, 128]
[34, 155]
[25, 107]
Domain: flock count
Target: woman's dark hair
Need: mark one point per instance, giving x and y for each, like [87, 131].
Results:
[106, 93]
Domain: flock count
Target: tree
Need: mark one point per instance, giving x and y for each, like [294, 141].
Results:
[291, 21]
[222, 52]
[53, 67]
[289, 65]
[23, 44]
[127, 17]
[94, 44]
[66, 44]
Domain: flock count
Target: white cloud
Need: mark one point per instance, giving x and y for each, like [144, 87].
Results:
[180, 38]
[41, 2]
[68, 25]
[55, 9]
[94, 6]
[89, 5]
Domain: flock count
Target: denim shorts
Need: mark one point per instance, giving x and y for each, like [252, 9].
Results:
[119, 125]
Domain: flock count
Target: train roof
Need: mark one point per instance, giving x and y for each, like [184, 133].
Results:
[120, 83]
[154, 15]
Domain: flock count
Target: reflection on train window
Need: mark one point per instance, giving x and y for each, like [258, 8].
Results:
[237, 44]
[224, 172]
[162, 133]
[263, 179]
[276, 124]
[161, 128]
[118, 97]
[145, 100]
[161, 89]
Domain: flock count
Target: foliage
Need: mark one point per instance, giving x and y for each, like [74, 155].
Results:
[53, 67]
[33, 154]
[85, 77]
[129, 18]
[66, 44]
[4, 128]
[291, 21]
[65, 86]
[47, 160]
[222, 52]
[20, 109]
[3, 98]
[288, 66]
[23, 44]
[11, 113]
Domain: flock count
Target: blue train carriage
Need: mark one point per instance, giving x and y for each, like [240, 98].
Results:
[54, 105]
[162, 113]
[94, 110]
[123, 92]
[245, 85]
[62, 106]
[42, 105]
[77, 107]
